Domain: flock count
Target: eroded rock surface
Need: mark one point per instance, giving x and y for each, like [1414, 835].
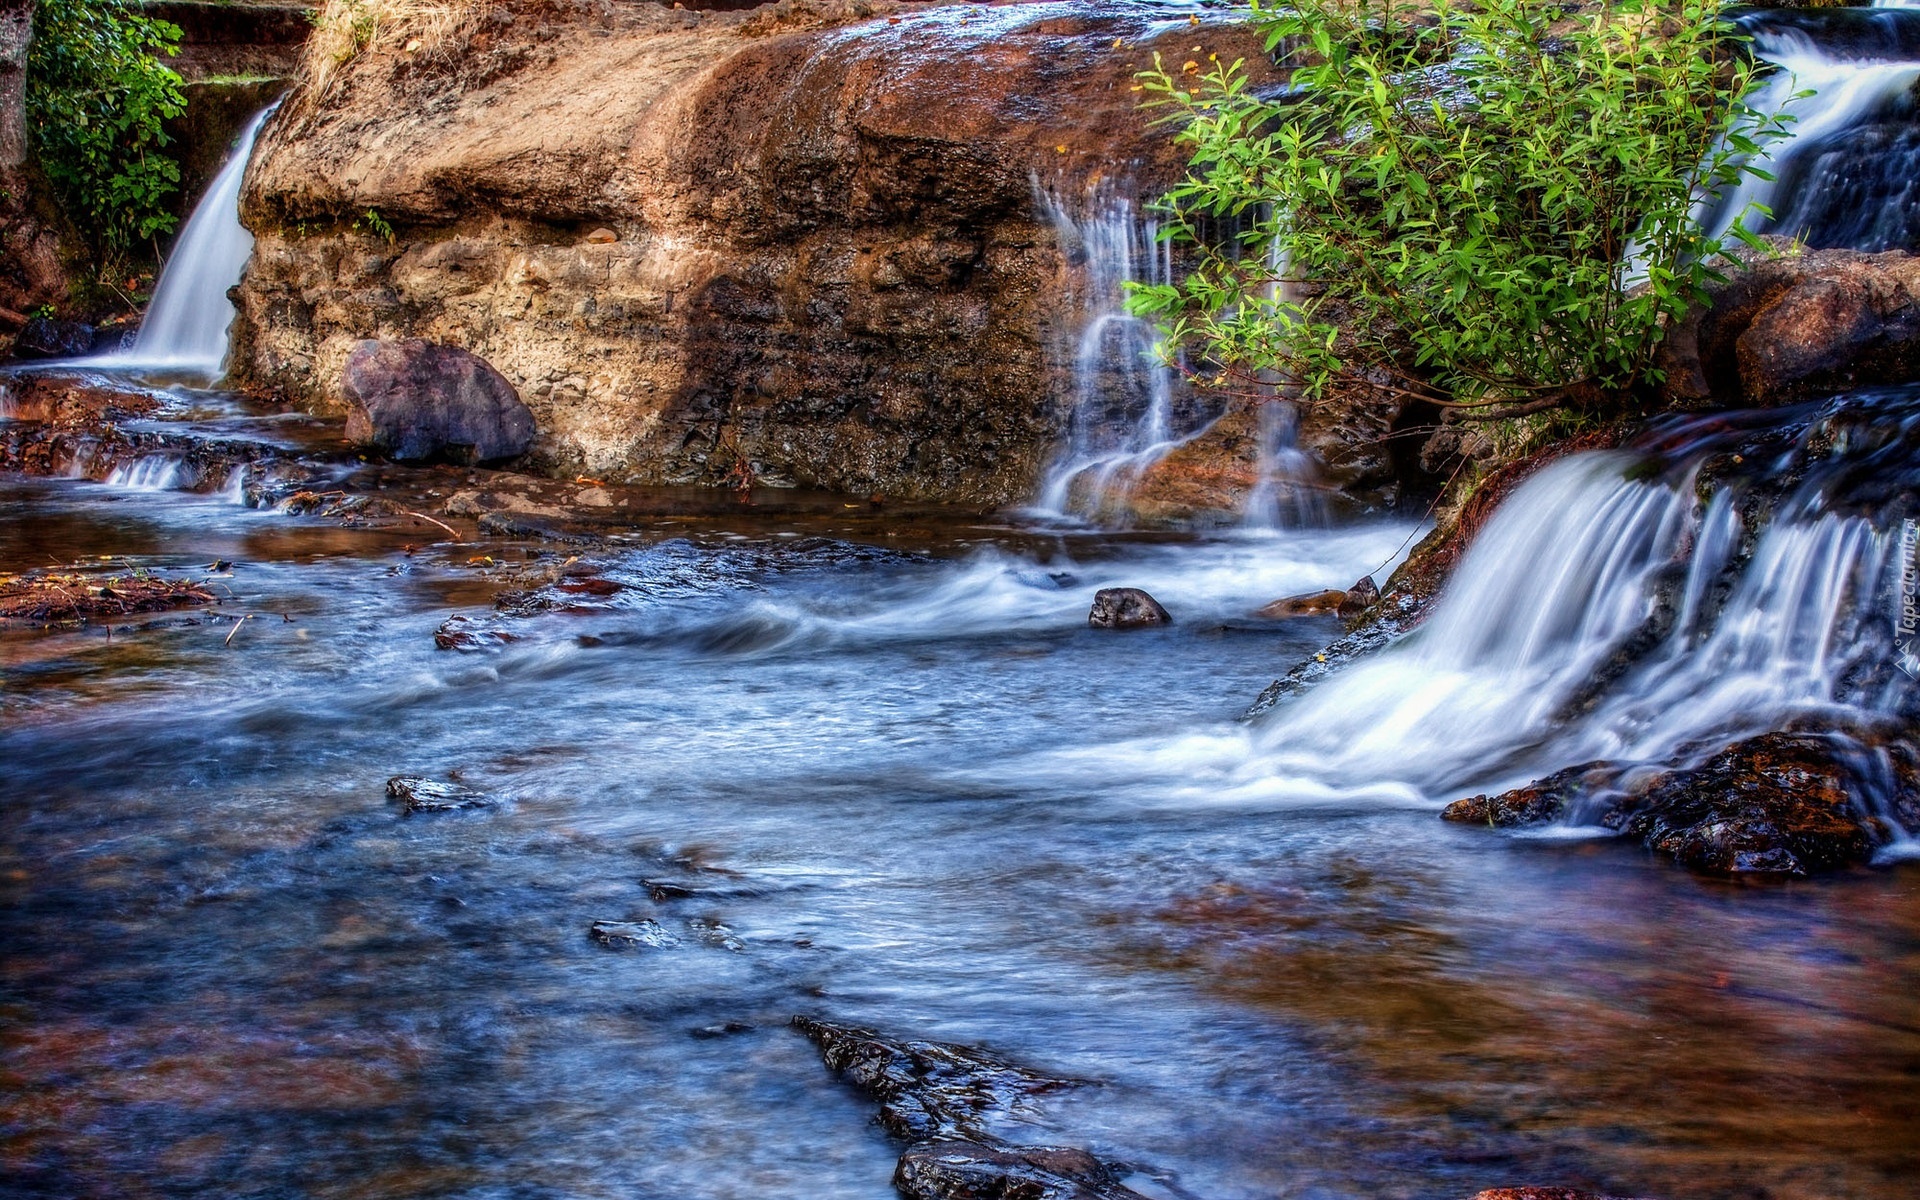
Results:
[789, 246]
[1804, 324]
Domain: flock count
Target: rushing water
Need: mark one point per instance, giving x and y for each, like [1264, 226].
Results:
[1846, 177]
[906, 786]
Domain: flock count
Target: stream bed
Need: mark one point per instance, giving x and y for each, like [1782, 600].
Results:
[843, 775]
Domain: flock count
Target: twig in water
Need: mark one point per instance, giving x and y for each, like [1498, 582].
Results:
[236, 629]
[442, 524]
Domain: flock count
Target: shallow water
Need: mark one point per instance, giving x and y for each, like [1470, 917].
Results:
[231, 968]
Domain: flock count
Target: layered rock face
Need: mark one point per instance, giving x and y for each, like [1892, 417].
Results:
[787, 245]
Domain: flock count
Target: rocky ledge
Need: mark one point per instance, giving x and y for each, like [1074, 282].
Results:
[800, 245]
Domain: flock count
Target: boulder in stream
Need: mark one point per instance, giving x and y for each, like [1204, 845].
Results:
[415, 400]
[1309, 604]
[1802, 324]
[1126, 608]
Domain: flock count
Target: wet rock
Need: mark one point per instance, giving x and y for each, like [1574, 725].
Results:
[1126, 608]
[964, 1170]
[925, 1090]
[1777, 804]
[1364, 594]
[939, 1097]
[1543, 800]
[717, 935]
[1543, 1193]
[466, 633]
[44, 337]
[1311, 604]
[415, 400]
[630, 935]
[1804, 324]
[724, 1029]
[422, 795]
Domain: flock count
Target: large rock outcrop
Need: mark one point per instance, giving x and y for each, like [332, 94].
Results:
[1796, 326]
[793, 245]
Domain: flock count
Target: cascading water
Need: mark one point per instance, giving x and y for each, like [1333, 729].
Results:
[1607, 612]
[187, 321]
[1849, 174]
[1124, 416]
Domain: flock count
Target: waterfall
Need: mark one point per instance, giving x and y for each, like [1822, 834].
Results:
[186, 325]
[1125, 417]
[1849, 174]
[1606, 612]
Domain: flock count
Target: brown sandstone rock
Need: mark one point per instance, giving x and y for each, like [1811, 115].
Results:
[832, 271]
[1312, 604]
[416, 401]
[1799, 326]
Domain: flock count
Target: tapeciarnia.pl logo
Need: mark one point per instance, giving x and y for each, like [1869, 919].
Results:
[1906, 622]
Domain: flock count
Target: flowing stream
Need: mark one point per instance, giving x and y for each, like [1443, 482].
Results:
[884, 773]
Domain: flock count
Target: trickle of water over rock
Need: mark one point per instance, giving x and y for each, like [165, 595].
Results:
[1126, 415]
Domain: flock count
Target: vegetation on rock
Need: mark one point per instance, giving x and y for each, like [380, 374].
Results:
[1494, 204]
[97, 97]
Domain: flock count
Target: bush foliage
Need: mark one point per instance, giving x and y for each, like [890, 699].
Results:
[97, 95]
[1496, 202]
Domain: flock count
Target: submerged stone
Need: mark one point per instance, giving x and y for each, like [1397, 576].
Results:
[629, 935]
[422, 795]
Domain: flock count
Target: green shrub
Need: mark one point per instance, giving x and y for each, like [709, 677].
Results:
[1495, 202]
[96, 98]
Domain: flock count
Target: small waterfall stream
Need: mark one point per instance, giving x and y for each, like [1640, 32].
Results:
[1123, 418]
[186, 324]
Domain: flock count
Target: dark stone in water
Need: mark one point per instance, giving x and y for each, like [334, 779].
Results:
[1543, 1193]
[937, 1096]
[465, 633]
[725, 1029]
[1126, 608]
[925, 1089]
[416, 400]
[422, 795]
[962, 1170]
[1777, 804]
[628, 935]
[44, 337]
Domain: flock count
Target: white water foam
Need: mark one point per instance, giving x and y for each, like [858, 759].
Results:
[1538, 655]
[148, 473]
